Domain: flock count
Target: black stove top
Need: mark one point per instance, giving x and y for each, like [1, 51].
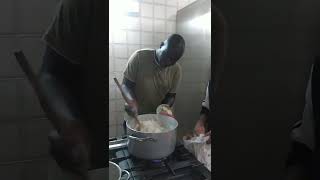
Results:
[180, 165]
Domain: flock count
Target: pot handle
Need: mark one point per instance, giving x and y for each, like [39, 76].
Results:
[141, 139]
[127, 173]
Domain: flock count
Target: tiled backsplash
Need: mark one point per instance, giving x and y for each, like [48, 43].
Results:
[23, 127]
[156, 20]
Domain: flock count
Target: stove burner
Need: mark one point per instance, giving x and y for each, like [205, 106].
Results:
[180, 165]
[156, 161]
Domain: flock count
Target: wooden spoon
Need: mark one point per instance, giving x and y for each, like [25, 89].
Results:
[138, 124]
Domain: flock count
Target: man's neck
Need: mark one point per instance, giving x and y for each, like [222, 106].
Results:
[156, 59]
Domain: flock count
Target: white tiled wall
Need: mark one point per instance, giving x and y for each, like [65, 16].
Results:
[156, 20]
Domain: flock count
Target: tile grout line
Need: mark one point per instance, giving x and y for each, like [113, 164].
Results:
[23, 161]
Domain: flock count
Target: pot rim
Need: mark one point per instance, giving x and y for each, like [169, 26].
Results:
[165, 132]
[118, 167]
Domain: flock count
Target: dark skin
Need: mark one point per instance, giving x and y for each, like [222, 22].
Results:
[167, 55]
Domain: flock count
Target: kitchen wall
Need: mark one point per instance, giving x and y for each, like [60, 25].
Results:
[23, 126]
[155, 21]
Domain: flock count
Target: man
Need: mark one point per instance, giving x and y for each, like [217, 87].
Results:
[152, 76]
[71, 78]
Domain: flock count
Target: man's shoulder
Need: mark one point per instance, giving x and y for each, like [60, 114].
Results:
[176, 67]
[145, 51]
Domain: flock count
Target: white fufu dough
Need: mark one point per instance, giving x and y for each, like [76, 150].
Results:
[151, 126]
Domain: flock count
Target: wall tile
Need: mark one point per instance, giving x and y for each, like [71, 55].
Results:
[7, 19]
[146, 38]
[120, 51]
[146, 24]
[120, 131]
[191, 1]
[171, 27]
[182, 3]
[133, 23]
[119, 75]
[132, 49]
[148, 1]
[112, 91]
[172, 2]
[120, 64]
[158, 38]
[8, 64]
[119, 105]
[10, 142]
[27, 99]
[110, 50]
[159, 25]
[35, 170]
[133, 37]
[160, 12]
[35, 138]
[34, 16]
[120, 116]
[110, 37]
[9, 100]
[171, 13]
[33, 48]
[120, 36]
[11, 172]
[112, 105]
[111, 64]
[112, 118]
[112, 131]
[146, 10]
[160, 1]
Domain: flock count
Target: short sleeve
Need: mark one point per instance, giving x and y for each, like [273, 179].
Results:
[69, 31]
[132, 67]
[176, 79]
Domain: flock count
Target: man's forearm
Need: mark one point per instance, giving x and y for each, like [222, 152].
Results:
[128, 89]
[169, 99]
[56, 98]
[204, 114]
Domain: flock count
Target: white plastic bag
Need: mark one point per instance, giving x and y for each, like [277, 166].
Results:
[202, 151]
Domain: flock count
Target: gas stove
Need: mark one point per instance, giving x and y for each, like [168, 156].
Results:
[180, 165]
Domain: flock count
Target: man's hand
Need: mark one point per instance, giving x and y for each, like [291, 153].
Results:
[199, 127]
[131, 109]
[70, 149]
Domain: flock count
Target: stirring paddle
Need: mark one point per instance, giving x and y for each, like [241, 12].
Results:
[127, 100]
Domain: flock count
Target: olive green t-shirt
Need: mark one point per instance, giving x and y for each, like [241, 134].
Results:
[152, 81]
[69, 31]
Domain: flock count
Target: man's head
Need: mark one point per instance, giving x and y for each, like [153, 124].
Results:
[171, 50]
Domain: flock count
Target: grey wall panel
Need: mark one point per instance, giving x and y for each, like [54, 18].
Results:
[195, 63]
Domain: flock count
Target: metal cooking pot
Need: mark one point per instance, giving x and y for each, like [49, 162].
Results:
[152, 146]
[115, 172]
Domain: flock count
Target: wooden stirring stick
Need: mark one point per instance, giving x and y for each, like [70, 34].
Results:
[127, 100]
